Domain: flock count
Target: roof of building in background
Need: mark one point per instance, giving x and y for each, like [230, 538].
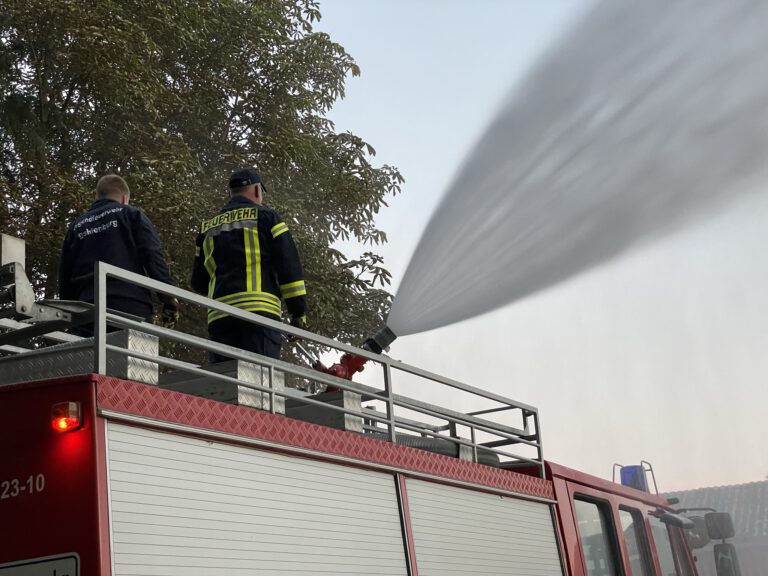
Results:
[747, 504]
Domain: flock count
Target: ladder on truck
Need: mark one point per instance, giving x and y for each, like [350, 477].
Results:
[35, 344]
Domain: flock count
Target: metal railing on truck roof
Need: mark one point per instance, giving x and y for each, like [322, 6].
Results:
[487, 434]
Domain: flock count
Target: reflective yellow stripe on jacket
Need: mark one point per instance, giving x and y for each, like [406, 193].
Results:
[261, 302]
[293, 289]
[278, 229]
[252, 260]
[210, 264]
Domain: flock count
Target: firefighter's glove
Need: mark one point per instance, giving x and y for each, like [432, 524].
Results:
[169, 314]
[298, 322]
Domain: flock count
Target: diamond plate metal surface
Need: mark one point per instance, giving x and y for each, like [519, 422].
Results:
[133, 368]
[202, 413]
[210, 387]
[73, 358]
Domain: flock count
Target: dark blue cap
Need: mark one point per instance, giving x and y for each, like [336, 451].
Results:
[244, 177]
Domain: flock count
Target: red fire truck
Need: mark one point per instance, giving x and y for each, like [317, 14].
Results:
[121, 460]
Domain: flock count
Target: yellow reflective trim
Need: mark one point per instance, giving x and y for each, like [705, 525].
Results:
[247, 240]
[252, 296]
[257, 258]
[210, 264]
[217, 317]
[293, 289]
[229, 217]
[278, 229]
[254, 300]
[292, 285]
[294, 293]
[261, 306]
[216, 314]
[241, 296]
[242, 303]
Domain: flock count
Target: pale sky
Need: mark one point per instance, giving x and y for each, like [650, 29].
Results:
[658, 356]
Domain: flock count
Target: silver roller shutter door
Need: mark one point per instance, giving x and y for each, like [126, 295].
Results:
[459, 531]
[186, 506]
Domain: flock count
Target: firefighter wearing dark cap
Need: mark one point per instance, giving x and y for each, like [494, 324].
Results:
[245, 256]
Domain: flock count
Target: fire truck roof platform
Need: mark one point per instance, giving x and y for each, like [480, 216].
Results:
[135, 375]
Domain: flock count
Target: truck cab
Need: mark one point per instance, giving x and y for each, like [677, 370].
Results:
[610, 529]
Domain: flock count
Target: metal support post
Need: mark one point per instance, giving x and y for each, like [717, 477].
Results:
[390, 402]
[272, 389]
[100, 320]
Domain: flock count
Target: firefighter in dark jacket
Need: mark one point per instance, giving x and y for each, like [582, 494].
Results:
[245, 256]
[111, 231]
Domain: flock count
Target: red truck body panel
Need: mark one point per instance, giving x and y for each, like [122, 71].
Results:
[56, 487]
[52, 493]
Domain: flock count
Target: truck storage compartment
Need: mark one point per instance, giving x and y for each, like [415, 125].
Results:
[458, 531]
[187, 506]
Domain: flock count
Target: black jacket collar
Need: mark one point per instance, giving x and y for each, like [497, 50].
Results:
[239, 201]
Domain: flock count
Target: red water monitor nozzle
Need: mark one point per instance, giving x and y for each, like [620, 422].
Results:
[351, 364]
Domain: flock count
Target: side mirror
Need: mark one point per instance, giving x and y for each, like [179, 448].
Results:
[726, 560]
[698, 536]
[719, 525]
[677, 520]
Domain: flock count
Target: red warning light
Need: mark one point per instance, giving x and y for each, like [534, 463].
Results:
[65, 416]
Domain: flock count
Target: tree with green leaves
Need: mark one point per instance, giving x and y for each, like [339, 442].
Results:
[174, 94]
